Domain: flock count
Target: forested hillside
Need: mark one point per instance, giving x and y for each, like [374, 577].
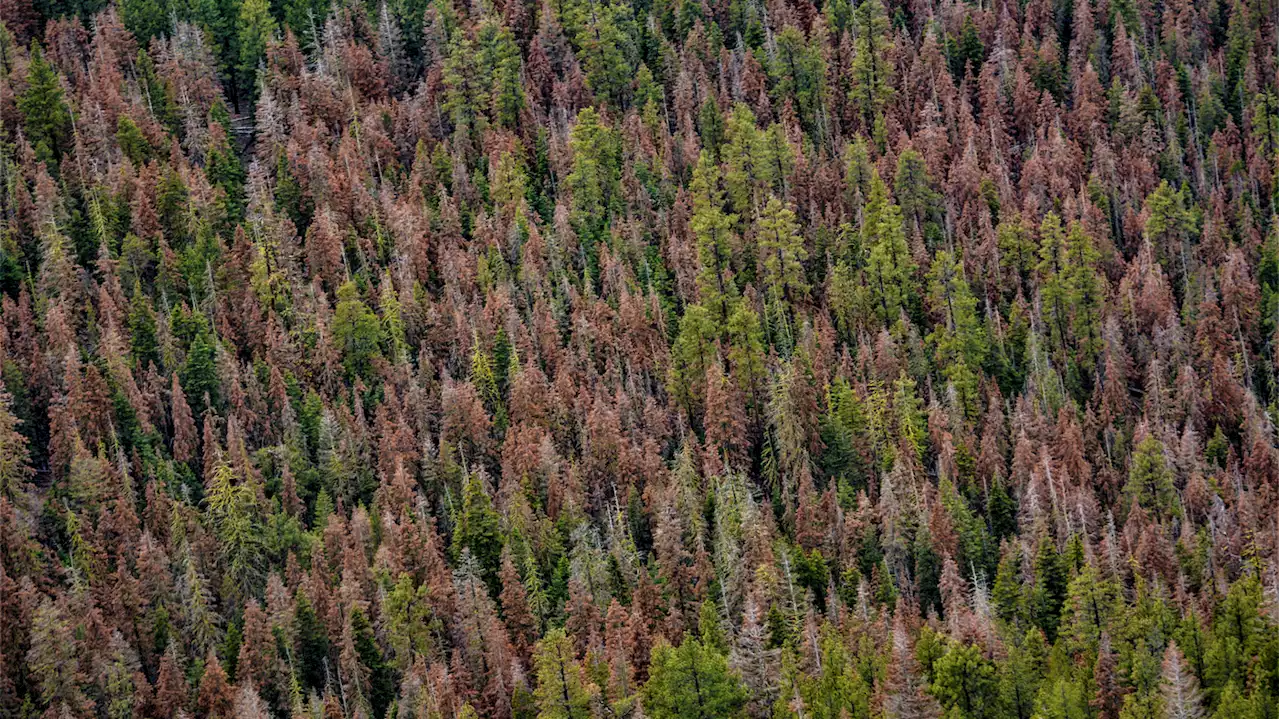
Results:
[590, 359]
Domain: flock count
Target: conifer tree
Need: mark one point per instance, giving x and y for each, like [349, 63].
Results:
[713, 230]
[959, 342]
[1024, 673]
[691, 680]
[692, 353]
[1107, 694]
[311, 655]
[1179, 687]
[1085, 292]
[889, 265]
[747, 170]
[1089, 607]
[913, 189]
[1050, 590]
[52, 660]
[46, 119]
[601, 44]
[1169, 226]
[783, 253]
[906, 694]
[215, 698]
[593, 182]
[257, 28]
[356, 332]
[965, 682]
[838, 690]
[1054, 286]
[382, 687]
[1150, 482]
[145, 18]
[563, 690]
[871, 72]
[15, 468]
[478, 530]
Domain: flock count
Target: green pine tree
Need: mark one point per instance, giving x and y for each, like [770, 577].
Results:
[382, 684]
[1050, 590]
[257, 28]
[959, 341]
[594, 182]
[145, 18]
[46, 121]
[1054, 295]
[783, 252]
[234, 514]
[691, 356]
[311, 655]
[920, 203]
[479, 529]
[691, 681]
[966, 683]
[564, 691]
[1151, 479]
[871, 70]
[356, 332]
[889, 266]
[713, 231]
[200, 373]
[747, 170]
[601, 44]
[1086, 292]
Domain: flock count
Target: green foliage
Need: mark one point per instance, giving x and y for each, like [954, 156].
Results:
[1150, 482]
[966, 683]
[959, 340]
[747, 166]
[1050, 589]
[797, 71]
[478, 530]
[594, 182]
[871, 89]
[1063, 699]
[839, 690]
[713, 230]
[1022, 675]
[564, 691]
[692, 680]
[889, 265]
[145, 18]
[409, 622]
[920, 203]
[500, 56]
[225, 172]
[311, 657]
[256, 27]
[783, 251]
[200, 373]
[132, 143]
[1089, 608]
[602, 45]
[691, 356]
[382, 684]
[725, 382]
[235, 517]
[45, 118]
[356, 332]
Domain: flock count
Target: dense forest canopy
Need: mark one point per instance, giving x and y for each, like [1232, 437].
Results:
[577, 359]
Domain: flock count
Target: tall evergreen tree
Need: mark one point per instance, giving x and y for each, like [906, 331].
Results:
[563, 691]
[46, 120]
[713, 230]
[691, 680]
